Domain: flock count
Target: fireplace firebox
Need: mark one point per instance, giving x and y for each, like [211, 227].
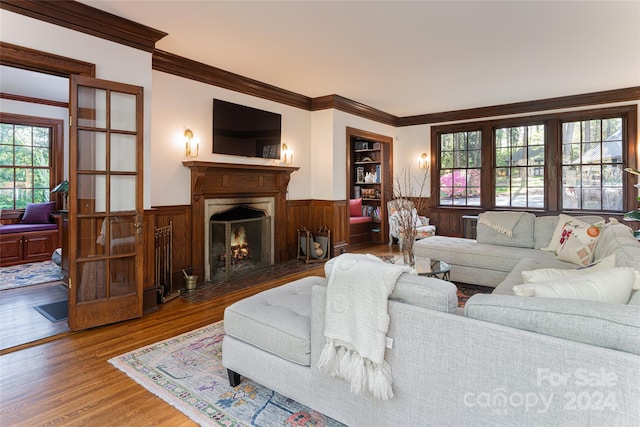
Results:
[239, 242]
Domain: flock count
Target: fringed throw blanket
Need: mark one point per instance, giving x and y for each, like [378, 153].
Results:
[502, 222]
[357, 321]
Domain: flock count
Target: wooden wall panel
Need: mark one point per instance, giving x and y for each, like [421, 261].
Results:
[180, 218]
[297, 217]
[314, 214]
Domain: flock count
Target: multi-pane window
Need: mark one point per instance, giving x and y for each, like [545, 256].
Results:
[460, 163]
[519, 171]
[592, 164]
[25, 165]
[570, 161]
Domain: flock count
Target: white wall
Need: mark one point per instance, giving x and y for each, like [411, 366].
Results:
[180, 103]
[113, 61]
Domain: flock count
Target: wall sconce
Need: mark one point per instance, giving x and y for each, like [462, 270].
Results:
[286, 155]
[423, 161]
[188, 144]
[63, 188]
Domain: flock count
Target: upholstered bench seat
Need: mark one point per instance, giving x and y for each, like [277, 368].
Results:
[277, 320]
[26, 228]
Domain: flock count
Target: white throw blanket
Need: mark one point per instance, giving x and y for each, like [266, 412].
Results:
[357, 321]
[502, 222]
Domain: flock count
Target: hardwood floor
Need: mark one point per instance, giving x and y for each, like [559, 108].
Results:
[21, 323]
[69, 381]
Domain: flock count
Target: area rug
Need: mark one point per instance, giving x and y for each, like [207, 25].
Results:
[186, 371]
[55, 311]
[17, 276]
[466, 291]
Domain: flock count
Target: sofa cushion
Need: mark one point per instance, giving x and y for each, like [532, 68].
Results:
[277, 320]
[467, 252]
[38, 213]
[548, 274]
[427, 292]
[26, 228]
[612, 326]
[612, 286]
[522, 237]
[618, 239]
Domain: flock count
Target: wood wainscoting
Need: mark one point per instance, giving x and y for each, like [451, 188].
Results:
[311, 214]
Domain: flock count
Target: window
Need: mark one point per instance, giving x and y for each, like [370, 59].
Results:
[460, 161]
[570, 161]
[592, 164]
[519, 170]
[30, 159]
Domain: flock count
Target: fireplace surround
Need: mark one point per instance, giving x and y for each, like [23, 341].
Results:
[251, 185]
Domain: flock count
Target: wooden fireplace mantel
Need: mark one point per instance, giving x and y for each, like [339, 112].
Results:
[211, 180]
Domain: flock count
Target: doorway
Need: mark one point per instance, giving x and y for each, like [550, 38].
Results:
[44, 98]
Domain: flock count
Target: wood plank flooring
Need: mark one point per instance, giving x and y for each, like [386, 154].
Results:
[20, 322]
[69, 381]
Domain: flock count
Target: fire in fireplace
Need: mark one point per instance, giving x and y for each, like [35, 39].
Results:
[239, 242]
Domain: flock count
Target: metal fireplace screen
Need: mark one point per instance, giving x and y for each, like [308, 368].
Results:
[240, 242]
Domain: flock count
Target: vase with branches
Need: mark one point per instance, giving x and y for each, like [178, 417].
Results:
[408, 198]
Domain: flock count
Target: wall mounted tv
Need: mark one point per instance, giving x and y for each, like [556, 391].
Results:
[244, 131]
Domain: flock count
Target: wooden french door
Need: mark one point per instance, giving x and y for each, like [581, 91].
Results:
[105, 202]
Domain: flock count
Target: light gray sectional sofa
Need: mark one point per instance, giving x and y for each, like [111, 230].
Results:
[506, 361]
[498, 261]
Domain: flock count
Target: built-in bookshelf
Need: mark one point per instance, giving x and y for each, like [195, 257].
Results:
[369, 177]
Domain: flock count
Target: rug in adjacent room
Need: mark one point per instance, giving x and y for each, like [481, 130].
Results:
[17, 276]
[186, 371]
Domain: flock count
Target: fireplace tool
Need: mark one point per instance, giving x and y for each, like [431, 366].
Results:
[163, 273]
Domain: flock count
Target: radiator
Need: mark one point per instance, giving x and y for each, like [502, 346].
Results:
[164, 271]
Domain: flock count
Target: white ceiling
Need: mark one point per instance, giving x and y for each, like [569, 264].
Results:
[407, 58]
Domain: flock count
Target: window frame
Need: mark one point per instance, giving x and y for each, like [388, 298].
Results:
[553, 164]
[56, 167]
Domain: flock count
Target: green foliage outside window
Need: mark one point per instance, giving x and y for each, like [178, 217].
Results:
[25, 165]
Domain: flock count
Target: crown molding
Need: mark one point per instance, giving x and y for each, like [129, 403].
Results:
[86, 19]
[190, 69]
[573, 101]
[352, 107]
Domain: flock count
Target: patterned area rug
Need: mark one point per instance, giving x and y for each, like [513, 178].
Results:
[34, 273]
[466, 291]
[186, 371]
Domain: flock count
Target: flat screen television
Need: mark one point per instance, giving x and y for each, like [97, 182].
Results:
[245, 131]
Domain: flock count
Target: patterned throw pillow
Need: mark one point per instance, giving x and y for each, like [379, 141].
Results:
[578, 241]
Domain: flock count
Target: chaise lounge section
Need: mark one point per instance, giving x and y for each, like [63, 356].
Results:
[507, 361]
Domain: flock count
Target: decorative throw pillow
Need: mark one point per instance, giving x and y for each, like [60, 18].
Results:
[554, 243]
[578, 241]
[548, 274]
[612, 286]
[355, 207]
[37, 213]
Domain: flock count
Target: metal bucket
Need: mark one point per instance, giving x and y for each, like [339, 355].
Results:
[190, 282]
